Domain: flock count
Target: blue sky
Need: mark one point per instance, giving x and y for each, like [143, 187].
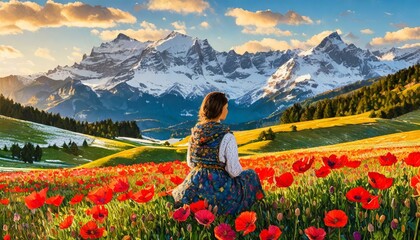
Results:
[39, 35]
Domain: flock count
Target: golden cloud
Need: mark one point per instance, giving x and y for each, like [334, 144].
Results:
[44, 53]
[265, 31]
[7, 52]
[405, 34]
[204, 25]
[266, 18]
[16, 17]
[313, 41]
[180, 27]
[178, 6]
[411, 45]
[267, 44]
[366, 31]
[148, 32]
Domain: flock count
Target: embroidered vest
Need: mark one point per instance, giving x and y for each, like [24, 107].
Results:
[205, 142]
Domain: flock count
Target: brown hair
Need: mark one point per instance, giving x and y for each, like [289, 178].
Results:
[212, 106]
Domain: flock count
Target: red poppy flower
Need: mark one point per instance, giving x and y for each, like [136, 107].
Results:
[224, 232]
[315, 233]
[76, 199]
[67, 222]
[140, 183]
[91, 231]
[144, 195]
[99, 212]
[4, 201]
[265, 173]
[204, 217]
[199, 205]
[101, 195]
[284, 180]
[379, 181]
[357, 194]
[259, 195]
[322, 172]
[413, 159]
[272, 233]
[56, 200]
[182, 213]
[36, 199]
[414, 181]
[166, 168]
[125, 196]
[353, 164]
[303, 164]
[336, 219]
[246, 222]
[388, 159]
[371, 203]
[177, 180]
[120, 184]
[335, 163]
[6, 237]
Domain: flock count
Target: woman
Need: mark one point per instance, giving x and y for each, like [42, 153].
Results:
[216, 174]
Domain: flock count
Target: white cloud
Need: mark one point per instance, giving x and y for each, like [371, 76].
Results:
[388, 13]
[265, 31]
[148, 32]
[366, 31]
[179, 26]
[401, 35]
[44, 53]
[94, 32]
[8, 52]
[264, 45]
[76, 55]
[411, 45]
[347, 13]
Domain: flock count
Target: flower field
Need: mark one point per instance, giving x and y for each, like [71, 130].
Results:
[354, 194]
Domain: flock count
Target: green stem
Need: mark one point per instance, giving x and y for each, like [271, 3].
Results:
[339, 233]
[417, 228]
[296, 223]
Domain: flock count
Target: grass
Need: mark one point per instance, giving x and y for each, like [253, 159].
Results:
[139, 155]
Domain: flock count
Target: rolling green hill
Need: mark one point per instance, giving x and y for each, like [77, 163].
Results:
[19, 131]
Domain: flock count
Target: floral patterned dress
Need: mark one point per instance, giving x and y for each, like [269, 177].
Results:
[209, 180]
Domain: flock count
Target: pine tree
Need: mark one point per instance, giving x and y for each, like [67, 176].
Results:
[85, 144]
[5, 148]
[74, 149]
[38, 153]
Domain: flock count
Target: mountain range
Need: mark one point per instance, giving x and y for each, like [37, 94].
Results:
[161, 83]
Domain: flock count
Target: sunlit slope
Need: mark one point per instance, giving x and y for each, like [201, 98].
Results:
[140, 155]
[322, 132]
[409, 141]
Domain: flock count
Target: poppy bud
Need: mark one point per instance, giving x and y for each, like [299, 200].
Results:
[331, 189]
[382, 218]
[151, 217]
[417, 214]
[215, 210]
[133, 217]
[282, 200]
[357, 235]
[394, 223]
[407, 203]
[112, 229]
[275, 205]
[314, 203]
[300, 232]
[168, 205]
[5, 228]
[403, 228]
[308, 211]
[377, 217]
[189, 227]
[297, 212]
[280, 216]
[393, 203]
[370, 227]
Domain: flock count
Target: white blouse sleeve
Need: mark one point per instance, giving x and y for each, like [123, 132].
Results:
[189, 163]
[228, 153]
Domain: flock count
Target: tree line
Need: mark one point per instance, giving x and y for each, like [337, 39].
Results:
[28, 153]
[105, 128]
[386, 98]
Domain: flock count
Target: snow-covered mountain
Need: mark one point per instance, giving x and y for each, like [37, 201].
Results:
[128, 79]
